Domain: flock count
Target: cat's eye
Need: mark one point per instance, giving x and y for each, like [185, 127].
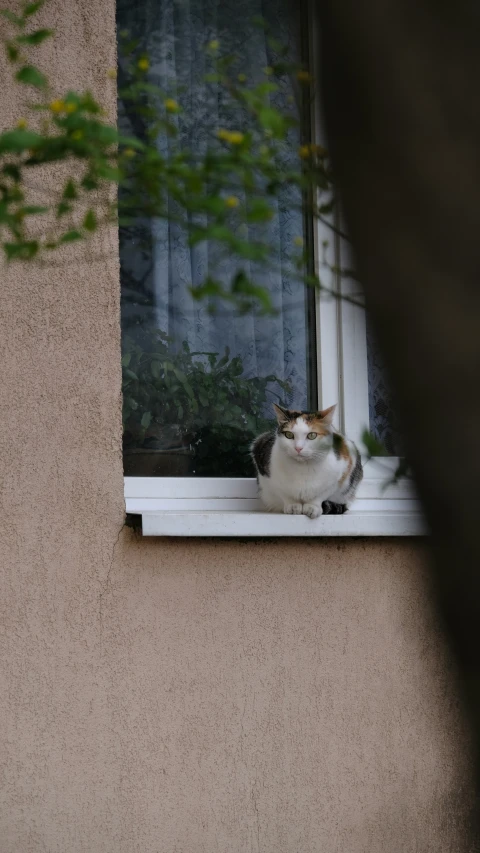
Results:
[312, 435]
[288, 434]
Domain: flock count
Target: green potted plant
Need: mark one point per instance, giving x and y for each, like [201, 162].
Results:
[190, 413]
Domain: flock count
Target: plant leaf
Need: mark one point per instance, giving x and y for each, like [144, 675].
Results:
[31, 8]
[14, 19]
[71, 236]
[63, 207]
[35, 38]
[21, 251]
[12, 51]
[70, 191]
[32, 209]
[19, 140]
[373, 445]
[31, 77]
[90, 221]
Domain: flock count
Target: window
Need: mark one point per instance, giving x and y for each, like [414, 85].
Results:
[199, 385]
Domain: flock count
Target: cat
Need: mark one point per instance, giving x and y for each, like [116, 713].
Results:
[306, 466]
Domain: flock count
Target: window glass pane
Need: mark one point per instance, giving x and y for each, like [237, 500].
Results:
[383, 419]
[199, 386]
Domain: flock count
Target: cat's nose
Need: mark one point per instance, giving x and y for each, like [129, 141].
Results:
[299, 449]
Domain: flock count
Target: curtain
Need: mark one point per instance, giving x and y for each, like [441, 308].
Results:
[158, 265]
[383, 417]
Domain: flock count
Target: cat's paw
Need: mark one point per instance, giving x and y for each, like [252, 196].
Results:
[331, 508]
[312, 510]
[293, 509]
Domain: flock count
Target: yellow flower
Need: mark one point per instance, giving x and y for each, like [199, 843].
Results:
[70, 107]
[232, 201]
[143, 64]
[304, 77]
[77, 134]
[129, 152]
[232, 136]
[22, 124]
[242, 78]
[57, 106]
[171, 106]
[214, 44]
[112, 73]
[309, 150]
[298, 241]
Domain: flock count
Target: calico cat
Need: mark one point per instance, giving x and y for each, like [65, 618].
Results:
[306, 466]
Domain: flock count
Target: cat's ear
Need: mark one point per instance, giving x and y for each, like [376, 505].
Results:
[327, 415]
[282, 414]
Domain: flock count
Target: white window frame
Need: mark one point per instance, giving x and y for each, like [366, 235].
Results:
[212, 506]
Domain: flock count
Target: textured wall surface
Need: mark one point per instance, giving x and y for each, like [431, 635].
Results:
[189, 697]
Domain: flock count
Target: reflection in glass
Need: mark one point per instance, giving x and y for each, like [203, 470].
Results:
[198, 386]
[384, 424]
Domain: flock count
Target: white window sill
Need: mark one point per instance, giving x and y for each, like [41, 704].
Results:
[230, 507]
[217, 523]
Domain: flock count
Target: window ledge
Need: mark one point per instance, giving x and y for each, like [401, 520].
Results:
[387, 522]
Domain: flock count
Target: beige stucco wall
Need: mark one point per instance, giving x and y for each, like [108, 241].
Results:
[190, 696]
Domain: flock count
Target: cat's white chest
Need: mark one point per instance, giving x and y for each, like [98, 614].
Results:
[303, 481]
[298, 482]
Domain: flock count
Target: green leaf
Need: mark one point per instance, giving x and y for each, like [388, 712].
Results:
[12, 51]
[89, 103]
[146, 420]
[259, 211]
[109, 173]
[31, 77]
[90, 221]
[126, 359]
[272, 120]
[31, 8]
[63, 207]
[105, 133]
[71, 236]
[132, 142]
[70, 191]
[14, 19]
[12, 171]
[35, 38]
[21, 251]
[19, 140]
[89, 183]
[373, 445]
[32, 209]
